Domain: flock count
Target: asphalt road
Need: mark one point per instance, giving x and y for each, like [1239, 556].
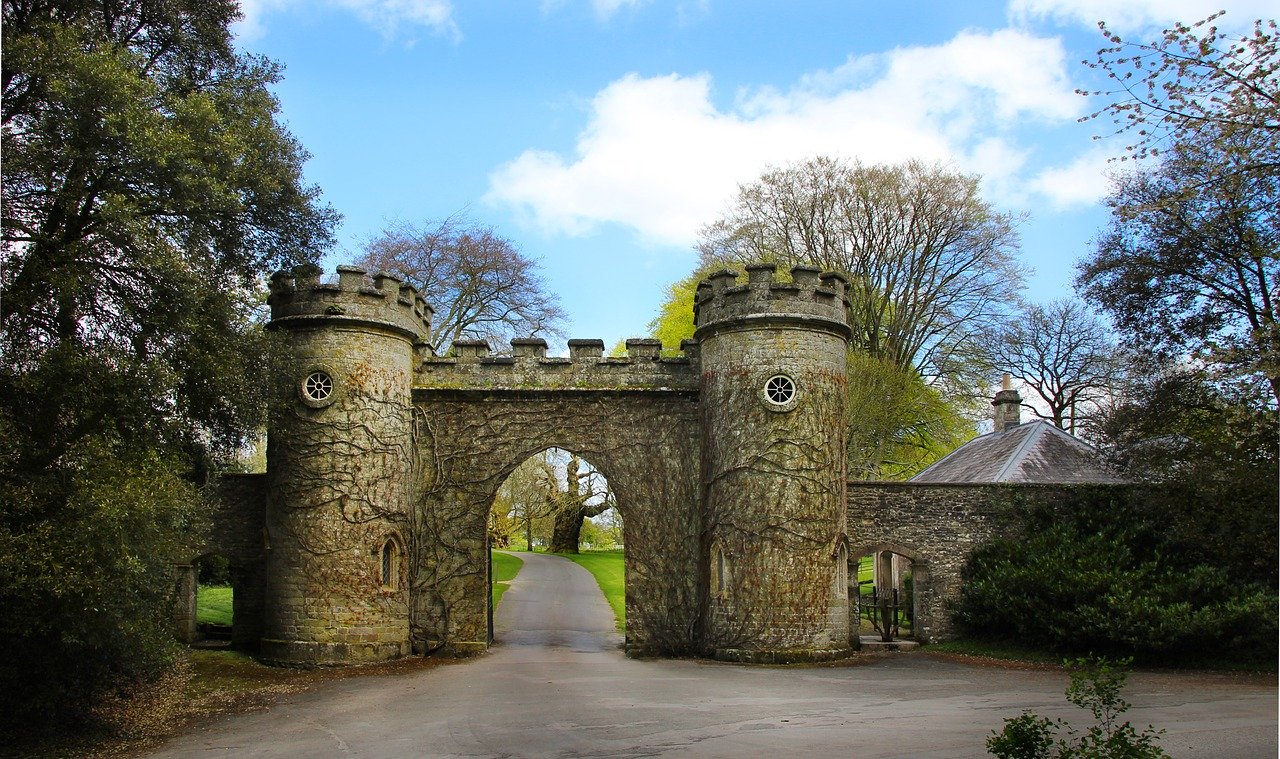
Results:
[558, 686]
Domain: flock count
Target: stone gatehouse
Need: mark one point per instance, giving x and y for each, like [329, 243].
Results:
[366, 538]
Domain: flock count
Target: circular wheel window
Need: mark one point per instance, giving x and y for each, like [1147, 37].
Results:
[780, 392]
[318, 389]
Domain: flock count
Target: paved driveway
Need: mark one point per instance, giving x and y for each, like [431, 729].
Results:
[557, 686]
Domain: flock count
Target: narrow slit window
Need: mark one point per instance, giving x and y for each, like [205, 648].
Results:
[390, 564]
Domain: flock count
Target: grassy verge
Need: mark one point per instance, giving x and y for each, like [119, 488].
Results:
[213, 604]
[608, 569]
[505, 567]
[989, 650]
[1224, 661]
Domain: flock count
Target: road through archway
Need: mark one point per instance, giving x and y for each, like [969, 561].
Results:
[553, 604]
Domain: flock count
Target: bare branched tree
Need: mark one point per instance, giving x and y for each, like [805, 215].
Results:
[930, 263]
[1062, 353]
[479, 282]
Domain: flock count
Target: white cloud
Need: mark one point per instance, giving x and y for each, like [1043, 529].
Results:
[387, 16]
[657, 154]
[1140, 15]
[1083, 181]
[606, 8]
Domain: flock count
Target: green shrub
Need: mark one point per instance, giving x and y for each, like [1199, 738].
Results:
[1096, 576]
[86, 584]
[1095, 685]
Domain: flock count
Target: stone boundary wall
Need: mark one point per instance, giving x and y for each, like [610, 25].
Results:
[237, 518]
[937, 526]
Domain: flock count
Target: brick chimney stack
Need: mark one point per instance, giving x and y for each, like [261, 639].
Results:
[1008, 406]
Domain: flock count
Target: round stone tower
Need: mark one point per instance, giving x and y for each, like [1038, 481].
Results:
[340, 465]
[773, 463]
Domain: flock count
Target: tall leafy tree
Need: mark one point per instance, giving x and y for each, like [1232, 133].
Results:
[479, 282]
[930, 263]
[931, 266]
[147, 187]
[898, 423]
[1192, 87]
[1190, 264]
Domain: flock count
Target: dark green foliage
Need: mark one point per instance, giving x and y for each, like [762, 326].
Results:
[146, 189]
[213, 570]
[1095, 685]
[1213, 447]
[85, 576]
[1105, 573]
[1027, 736]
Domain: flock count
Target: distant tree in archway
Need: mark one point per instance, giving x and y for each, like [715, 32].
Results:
[586, 494]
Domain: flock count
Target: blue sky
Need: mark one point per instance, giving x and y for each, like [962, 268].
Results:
[600, 135]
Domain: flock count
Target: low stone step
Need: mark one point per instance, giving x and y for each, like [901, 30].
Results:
[874, 643]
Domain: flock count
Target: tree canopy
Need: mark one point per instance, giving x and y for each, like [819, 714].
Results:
[1191, 88]
[479, 282]
[550, 497]
[929, 262]
[1190, 264]
[147, 188]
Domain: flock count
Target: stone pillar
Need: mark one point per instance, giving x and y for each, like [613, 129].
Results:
[184, 603]
[773, 464]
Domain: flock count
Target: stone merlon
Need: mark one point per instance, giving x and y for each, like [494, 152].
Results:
[299, 299]
[813, 299]
[472, 366]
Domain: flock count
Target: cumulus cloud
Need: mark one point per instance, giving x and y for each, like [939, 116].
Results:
[387, 16]
[1138, 15]
[659, 156]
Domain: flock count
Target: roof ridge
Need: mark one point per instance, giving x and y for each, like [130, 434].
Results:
[1019, 455]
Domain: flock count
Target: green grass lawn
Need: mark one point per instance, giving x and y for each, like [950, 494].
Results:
[608, 568]
[213, 604]
[505, 567]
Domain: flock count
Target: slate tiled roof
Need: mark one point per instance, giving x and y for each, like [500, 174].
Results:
[1033, 452]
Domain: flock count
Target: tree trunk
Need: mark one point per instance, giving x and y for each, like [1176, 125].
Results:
[568, 529]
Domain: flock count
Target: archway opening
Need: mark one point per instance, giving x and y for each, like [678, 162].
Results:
[882, 595]
[215, 600]
[558, 502]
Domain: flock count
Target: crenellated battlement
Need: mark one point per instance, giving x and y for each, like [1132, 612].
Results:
[471, 365]
[813, 297]
[300, 298]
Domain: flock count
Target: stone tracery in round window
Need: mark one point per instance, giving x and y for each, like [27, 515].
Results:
[780, 390]
[317, 387]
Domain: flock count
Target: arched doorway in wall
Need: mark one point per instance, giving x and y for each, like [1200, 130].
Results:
[883, 592]
[214, 600]
[556, 501]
